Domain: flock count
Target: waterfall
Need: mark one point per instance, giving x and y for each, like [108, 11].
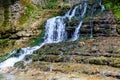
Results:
[55, 30]
[92, 14]
[76, 33]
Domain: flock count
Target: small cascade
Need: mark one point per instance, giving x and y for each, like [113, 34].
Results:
[21, 55]
[55, 30]
[93, 13]
[76, 33]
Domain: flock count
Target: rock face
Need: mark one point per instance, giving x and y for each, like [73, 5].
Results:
[13, 14]
[20, 20]
[17, 9]
[103, 25]
[99, 51]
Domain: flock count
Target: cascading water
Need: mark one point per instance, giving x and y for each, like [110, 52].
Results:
[55, 31]
[92, 14]
[76, 33]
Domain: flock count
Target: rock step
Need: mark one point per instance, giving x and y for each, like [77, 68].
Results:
[109, 61]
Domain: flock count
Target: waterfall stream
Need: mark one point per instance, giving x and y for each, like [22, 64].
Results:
[55, 31]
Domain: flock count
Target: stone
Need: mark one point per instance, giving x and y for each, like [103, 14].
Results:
[19, 64]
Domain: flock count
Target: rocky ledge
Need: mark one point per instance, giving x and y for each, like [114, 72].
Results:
[87, 59]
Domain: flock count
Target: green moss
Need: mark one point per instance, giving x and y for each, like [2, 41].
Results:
[99, 60]
[4, 57]
[25, 17]
[19, 64]
[108, 5]
[115, 62]
[52, 4]
[6, 25]
[4, 42]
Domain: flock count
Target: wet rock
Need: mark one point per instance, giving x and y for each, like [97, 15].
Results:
[28, 57]
[19, 64]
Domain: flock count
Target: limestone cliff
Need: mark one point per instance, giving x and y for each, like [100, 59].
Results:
[20, 20]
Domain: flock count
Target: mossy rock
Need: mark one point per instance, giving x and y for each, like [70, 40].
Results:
[35, 57]
[51, 58]
[115, 62]
[19, 64]
[99, 60]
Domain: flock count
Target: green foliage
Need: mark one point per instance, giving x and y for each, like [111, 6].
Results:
[116, 10]
[28, 12]
[108, 5]
[114, 6]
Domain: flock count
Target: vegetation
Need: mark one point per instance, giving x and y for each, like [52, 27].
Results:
[25, 17]
[113, 5]
[4, 57]
[36, 40]
[19, 64]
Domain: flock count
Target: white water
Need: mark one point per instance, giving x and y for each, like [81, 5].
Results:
[92, 12]
[54, 32]
[25, 51]
[72, 14]
[76, 33]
